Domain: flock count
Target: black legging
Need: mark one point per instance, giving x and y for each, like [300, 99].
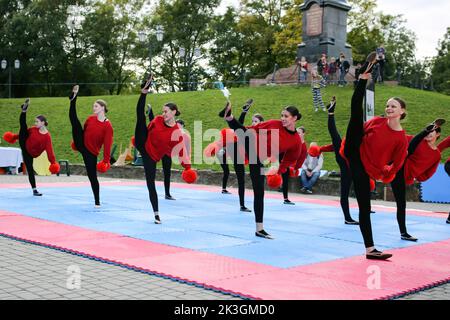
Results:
[90, 160]
[361, 180]
[239, 168]
[398, 185]
[346, 175]
[255, 174]
[166, 162]
[140, 137]
[27, 158]
[285, 176]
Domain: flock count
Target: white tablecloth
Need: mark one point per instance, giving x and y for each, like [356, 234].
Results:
[10, 157]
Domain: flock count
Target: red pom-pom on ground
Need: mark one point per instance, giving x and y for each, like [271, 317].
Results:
[54, 168]
[274, 181]
[10, 137]
[72, 145]
[314, 151]
[372, 185]
[102, 167]
[189, 176]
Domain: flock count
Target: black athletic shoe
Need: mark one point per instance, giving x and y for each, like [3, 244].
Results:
[147, 82]
[369, 64]
[448, 220]
[225, 191]
[169, 197]
[222, 113]
[245, 209]
[371, 211]
[378, 255]
[247, 105]
[434, 125]
[25, 105]
[37, 193]
[73, 94]
[157, 219]
[263, 234]
[332, 105]
[287, 201]
[352, 222]
[407, 237]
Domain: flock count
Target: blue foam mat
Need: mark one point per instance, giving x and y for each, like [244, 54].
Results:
[211, 222]
[437, 188]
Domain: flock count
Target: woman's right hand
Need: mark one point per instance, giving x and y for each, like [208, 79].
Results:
[147, 85]
[75, 89]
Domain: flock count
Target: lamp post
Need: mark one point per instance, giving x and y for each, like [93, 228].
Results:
[5, 65]
[159, 38]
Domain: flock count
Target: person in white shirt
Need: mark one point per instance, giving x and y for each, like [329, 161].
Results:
[311, 168]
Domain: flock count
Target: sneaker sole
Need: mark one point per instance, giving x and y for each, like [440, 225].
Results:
[382, 257]
[409, 239]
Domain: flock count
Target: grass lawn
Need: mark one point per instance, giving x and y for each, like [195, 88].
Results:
[422, 108]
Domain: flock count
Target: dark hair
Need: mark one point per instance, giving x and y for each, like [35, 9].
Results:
[402, 104]
[302, 128]
[173, 107]
[103, 104]
[181, 122]
[258, 116]
[293, 111]
[43, 119]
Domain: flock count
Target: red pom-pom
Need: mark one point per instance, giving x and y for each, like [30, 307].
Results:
[102, 166]
[72, 145]
[314, 151]
[133, 141]
[189, 176]
[228, 136]
[54, 168]
[293, 173]
[372, 185]
[211, 150]
[274, 181]
[10, 137]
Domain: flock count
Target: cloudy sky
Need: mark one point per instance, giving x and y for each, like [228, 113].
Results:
[428, 19]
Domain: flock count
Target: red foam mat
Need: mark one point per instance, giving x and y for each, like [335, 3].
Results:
[410, 269]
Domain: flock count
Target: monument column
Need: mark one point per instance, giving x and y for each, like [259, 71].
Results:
[324, 30]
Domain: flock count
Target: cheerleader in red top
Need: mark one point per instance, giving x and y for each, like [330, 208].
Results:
[376, 149]
[33, 141]
[167, 160]
[88, 140]
[442, 146]
[162, 137]
[421, 163]
[260, 147]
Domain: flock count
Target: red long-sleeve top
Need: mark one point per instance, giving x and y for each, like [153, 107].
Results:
[302, 156]
[288, 143]
[422, 164]
[98, 134]
[327, 148]
[444, 145]
[381, 147]
[38, 142]
[162, 140]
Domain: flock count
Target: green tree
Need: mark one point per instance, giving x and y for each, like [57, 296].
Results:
[110, 31]
[287, 40]
[441, 65]
[187, 24]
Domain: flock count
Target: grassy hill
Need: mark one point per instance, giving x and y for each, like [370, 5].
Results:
[422, 108]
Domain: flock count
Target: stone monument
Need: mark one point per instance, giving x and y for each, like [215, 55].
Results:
[324, 30]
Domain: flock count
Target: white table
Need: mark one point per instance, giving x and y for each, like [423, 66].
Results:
[11, 157]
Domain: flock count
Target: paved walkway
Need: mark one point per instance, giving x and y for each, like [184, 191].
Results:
[33, 272]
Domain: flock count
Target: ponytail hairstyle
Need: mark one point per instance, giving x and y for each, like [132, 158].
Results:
[172, 106]
[259, 117]
[293, 111]
[402, 104]
[42, 119]
[103, 104]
